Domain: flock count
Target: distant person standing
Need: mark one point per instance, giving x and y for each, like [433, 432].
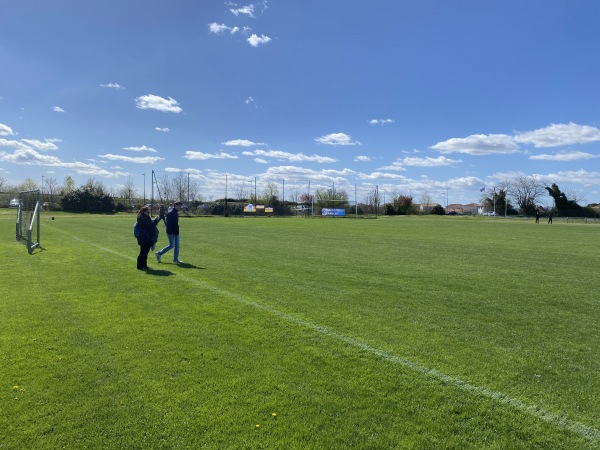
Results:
[537, 217]
[550, 218]
[146, 238]
[172, 233]
[162, 214]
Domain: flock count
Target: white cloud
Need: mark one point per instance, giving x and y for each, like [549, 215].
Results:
[429, 162]
[558, 135]
[249, 100]
[479, 144]
[164, 130]
[579, 176]
[203, 156]
[245, 10]
[28, 156]
[58, 109]
[381, 121]
[47, 144]
[255, 40]
[261, 161]
[5, 130]
[396, 165]
[141, 148]
[242, 143]
[129, 159]
[12, 143]
[151, 101]
[116, 86]
[337, 139]
[362, 158]
[381, 176]
[568, 156]
[217, 28]
[293, 157]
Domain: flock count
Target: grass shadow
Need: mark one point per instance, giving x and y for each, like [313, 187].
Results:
[190, 266]
[159, 272]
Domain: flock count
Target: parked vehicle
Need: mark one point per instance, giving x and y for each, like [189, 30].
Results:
[15, 202]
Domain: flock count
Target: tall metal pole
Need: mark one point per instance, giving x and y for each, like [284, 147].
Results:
[152, 189]
[355, 203]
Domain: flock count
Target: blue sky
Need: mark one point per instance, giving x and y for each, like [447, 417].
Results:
[417, 97]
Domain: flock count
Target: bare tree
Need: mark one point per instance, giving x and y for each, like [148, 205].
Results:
[270, 192]
[294, 196]
[128, 190]
[165, 189]
[240, 191]
[194, 190]
[179, 183]
[426, 202]
[51, 187]
[526, 191]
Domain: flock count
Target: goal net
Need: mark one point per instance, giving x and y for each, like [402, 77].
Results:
[28, 219]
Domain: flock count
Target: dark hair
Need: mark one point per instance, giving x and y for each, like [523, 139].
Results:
[142, 210]
[178, 203]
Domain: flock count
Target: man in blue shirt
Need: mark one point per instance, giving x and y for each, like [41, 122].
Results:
[172, 234]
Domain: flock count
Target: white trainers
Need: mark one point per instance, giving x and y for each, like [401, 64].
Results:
[178, 261]
[158, 256]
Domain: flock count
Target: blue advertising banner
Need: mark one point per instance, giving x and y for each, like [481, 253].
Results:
[337, 212]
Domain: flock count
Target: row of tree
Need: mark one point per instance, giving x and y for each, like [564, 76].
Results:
[526, 193]
[521, 195]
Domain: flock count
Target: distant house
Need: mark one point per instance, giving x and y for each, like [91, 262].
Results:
[469, 209]
[425, 208]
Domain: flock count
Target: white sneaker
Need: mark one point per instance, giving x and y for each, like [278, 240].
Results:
[178, 261]
[158, 256]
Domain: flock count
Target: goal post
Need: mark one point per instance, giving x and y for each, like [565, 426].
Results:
[28, 219]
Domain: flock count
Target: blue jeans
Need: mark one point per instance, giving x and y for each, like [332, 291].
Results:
[173, 244]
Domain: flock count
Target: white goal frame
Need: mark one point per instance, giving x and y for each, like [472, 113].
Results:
[29, 219]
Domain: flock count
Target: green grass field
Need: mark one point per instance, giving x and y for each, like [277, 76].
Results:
[295, 333]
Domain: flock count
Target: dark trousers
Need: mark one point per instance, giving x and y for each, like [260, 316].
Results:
[142, 259]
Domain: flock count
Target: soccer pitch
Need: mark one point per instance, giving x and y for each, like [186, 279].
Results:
[295, 333]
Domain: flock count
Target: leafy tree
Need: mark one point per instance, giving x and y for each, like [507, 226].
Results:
[437, 209]
[89, 198]
[306, 199]
[403, 204]
[330, 198]
[28, 185]
[502, 203]
[566, 207]
[69, 185]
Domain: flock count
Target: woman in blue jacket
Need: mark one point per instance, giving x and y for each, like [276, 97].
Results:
[146, 237]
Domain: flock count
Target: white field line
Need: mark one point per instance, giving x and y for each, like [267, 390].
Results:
[586, 431]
